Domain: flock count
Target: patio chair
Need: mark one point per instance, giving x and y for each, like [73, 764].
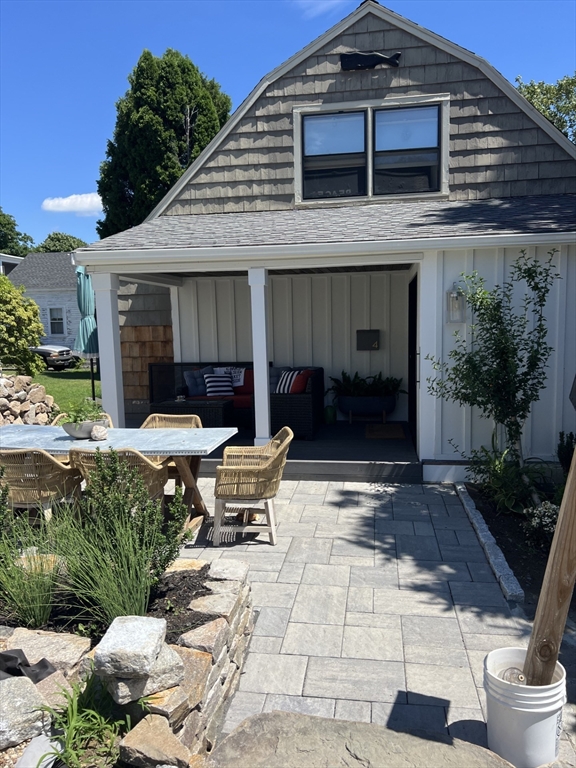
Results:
[173, 421]
[62, 416]
[249, 475]
[154, 476]
[37, 480]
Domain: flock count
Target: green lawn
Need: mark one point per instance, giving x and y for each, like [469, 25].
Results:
[67, 387]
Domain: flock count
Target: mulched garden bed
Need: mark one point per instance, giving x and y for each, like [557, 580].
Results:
[526, 559]
[169, 600]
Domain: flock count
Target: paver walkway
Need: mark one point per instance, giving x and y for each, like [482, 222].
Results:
[376, 605]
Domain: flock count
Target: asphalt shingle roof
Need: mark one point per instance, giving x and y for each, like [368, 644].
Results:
[352, 223]
[45, 270]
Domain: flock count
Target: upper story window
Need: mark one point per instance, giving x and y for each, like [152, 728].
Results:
[406, 150]
[393, 147]
[56, 322]
[334, 155]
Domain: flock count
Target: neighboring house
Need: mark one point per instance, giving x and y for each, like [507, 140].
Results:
[50, 280]
[337, 200]
[8, 263]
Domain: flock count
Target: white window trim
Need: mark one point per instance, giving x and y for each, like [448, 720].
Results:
[63, 320]
[441, 99]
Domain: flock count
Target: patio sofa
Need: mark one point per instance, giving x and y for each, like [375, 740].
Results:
[302, 411]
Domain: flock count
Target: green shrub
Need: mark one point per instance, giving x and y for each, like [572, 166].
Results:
[501, 478]
[565, 450]
[540, 522]
[29, 573]
[85, 728]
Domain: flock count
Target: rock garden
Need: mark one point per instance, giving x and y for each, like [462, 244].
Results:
[24, 402]
[112, 653]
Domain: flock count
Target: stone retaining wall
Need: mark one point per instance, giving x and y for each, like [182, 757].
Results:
[24, 402]
[186, 686]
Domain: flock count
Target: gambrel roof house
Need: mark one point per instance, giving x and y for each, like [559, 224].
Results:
[340, 198]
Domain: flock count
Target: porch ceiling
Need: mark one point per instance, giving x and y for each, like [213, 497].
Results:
[316, 227]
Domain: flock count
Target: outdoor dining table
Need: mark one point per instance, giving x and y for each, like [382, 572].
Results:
[184, 446]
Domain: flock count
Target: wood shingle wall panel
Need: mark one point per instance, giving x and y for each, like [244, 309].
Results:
[487, 130]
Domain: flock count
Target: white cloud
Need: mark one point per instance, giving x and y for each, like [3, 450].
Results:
[89, 204]
[312, 8]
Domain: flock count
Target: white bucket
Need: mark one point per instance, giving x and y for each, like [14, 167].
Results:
[524, 721]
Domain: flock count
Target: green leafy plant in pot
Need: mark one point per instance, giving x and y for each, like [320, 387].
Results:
[81, 418]
[365, 396]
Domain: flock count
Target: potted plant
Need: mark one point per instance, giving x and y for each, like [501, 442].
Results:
[80, 419]
[359, 396]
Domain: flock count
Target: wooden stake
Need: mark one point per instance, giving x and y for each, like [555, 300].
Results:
[556, 593]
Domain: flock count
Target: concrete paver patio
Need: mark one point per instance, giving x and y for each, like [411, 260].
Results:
[377, 605]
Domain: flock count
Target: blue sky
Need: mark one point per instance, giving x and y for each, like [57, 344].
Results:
[65, 63]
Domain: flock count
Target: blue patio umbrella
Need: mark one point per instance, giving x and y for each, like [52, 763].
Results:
[86, 342]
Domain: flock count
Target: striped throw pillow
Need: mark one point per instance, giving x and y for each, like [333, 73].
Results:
[284, 385]
[218, 385]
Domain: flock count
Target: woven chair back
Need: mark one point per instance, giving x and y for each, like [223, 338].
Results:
[155, 477]
[61, 416]
[35, 477]
[253, 473]
[172, 421]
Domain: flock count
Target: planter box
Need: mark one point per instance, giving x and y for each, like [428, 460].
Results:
[366, 406]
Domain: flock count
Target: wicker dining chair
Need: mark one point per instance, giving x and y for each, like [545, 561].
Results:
[250, 475]
[171, 421]
[154, 476]
[36, 480]
[61, 416]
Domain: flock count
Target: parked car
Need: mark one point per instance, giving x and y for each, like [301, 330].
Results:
[56, 357]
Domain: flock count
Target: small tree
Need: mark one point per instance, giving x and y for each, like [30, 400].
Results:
[556, 101]
[12, 241]
[20, 328]
[59, 242]
[503, 368]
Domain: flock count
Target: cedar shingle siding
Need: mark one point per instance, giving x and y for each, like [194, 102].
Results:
[496, 150]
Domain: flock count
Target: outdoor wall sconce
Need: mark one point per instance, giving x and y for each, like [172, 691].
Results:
[455, 305]
[367, 341]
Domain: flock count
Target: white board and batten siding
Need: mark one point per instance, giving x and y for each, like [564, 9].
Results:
[313, 321]
[68, 303]
[553, 412]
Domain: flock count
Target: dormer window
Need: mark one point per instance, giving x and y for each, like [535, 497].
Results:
[393, 147]
[406, 150]
[334, 155]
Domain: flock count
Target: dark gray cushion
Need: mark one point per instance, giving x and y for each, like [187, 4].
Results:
[195, 381]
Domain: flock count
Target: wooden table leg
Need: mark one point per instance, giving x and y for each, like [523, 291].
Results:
[188, 468]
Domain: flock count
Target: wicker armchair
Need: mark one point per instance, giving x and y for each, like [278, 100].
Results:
[155, 476]
[173, 421]
[250, 474]
[62, 416]
[36, 480]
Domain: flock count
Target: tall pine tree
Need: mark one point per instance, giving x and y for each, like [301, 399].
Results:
[166, 118]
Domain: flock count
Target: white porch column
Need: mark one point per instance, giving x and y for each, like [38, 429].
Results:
[431, 295]
[258, 282]
[175, 311]
[106, 292]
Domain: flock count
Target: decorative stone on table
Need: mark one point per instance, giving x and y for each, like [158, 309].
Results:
[98, 432]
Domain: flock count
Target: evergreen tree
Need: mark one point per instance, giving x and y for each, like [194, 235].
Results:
[166, 118]
[12, 241]
[60, 242]
[556, 101]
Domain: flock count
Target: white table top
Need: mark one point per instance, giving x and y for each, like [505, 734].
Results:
[150, 442]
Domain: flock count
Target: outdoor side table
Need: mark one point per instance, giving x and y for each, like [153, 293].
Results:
[213, 412]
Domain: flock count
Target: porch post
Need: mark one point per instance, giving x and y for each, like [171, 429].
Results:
[429, 342]
[258, 282]
[106, 292]
[175, 311]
